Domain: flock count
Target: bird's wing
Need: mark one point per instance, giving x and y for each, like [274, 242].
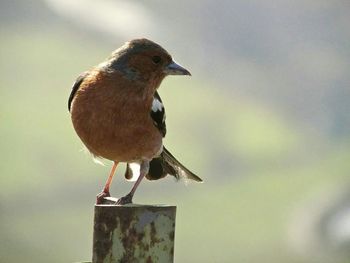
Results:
[165, 163]
[158, 113]
[75, 87]
[158, 116]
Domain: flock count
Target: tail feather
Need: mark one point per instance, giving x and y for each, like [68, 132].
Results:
[165, 164]
[132, 171]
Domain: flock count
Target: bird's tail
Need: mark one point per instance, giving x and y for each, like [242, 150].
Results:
[166, 164]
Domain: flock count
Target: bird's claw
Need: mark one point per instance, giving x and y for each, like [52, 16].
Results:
[125, 200]
[100, 197]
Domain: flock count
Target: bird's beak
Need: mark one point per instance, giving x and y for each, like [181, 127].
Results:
[175, 69]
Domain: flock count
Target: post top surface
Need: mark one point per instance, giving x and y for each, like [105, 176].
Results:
[112, 202]
[136, 206]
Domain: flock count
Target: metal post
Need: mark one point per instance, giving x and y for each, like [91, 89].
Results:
[134, 233]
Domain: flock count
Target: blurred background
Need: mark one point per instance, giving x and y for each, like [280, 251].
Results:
[264, 121]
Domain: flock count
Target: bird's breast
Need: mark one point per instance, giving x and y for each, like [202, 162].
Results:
[112, 118]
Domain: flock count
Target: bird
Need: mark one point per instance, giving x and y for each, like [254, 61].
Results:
[118, 114]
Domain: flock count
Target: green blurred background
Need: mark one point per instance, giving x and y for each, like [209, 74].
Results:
[264, 121]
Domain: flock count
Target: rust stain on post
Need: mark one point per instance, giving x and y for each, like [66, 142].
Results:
[134, 233]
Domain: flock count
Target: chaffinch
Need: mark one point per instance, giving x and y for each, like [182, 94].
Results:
[119, 115]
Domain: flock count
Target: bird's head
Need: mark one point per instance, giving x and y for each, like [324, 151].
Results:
[142, 59]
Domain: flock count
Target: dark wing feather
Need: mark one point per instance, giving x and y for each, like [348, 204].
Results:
[158, 167]
[75, 87]
[165, 164]
[158, 114]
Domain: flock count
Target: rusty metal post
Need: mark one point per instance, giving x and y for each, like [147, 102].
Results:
[134, 233]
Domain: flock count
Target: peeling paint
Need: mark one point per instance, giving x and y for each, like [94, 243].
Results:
[134, 233]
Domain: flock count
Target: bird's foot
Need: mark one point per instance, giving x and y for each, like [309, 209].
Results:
[125, 200]
[100, 198]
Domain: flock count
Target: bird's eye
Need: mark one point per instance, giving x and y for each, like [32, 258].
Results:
[156, 59]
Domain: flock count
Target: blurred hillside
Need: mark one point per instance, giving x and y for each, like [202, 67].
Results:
[292, 55]
[264, 120]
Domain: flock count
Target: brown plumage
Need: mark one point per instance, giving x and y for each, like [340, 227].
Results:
[118, 114]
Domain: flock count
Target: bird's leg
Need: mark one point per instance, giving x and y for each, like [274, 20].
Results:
[105, 191]
[144, 167]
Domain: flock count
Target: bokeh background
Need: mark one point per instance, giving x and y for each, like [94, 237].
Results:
[265, 121]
